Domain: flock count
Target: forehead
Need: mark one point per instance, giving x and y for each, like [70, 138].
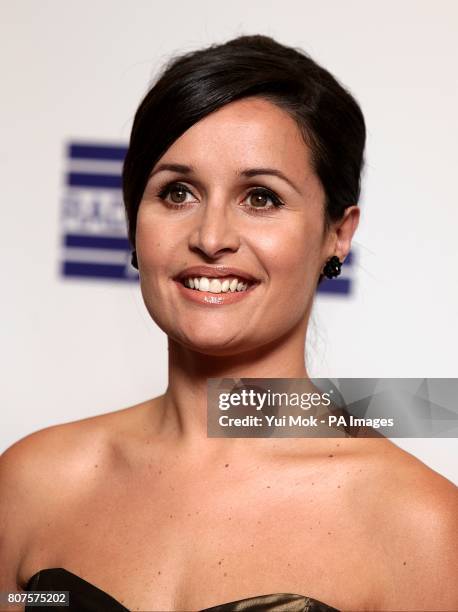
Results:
[245, 133]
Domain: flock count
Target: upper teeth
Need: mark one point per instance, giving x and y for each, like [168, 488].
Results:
[215, 285]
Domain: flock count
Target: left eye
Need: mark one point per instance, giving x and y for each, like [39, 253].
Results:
[261, 196]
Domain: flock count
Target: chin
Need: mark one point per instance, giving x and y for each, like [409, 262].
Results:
[221, 344]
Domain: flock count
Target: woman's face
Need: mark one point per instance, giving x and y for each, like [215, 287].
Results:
[219, 210]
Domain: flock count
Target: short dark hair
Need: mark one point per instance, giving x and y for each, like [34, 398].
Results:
[193, 85]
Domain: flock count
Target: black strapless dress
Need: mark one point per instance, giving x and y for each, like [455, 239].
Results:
[86, 597]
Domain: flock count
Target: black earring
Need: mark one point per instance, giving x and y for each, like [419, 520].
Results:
[333, 267]
[133, 260]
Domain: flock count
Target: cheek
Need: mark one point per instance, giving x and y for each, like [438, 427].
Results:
[153, 243]
[291, 253]
[153, 251]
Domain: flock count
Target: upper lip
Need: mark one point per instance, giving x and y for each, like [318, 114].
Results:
[216, 272]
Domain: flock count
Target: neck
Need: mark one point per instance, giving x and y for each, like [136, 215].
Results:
[184, 413]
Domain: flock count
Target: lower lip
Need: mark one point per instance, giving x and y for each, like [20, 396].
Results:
[214, 299]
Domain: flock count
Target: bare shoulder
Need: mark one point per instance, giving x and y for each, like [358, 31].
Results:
[415, 526]
[45, 472]
[52, 451]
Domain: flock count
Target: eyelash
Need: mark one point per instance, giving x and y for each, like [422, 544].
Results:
[276, 202]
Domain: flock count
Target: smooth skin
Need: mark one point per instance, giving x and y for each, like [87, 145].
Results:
[142, 504]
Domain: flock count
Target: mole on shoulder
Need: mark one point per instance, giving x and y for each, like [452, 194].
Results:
[227, 465]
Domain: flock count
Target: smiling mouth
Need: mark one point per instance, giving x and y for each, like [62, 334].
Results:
[208, 284]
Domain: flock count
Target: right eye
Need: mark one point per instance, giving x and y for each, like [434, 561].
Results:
[177, 192]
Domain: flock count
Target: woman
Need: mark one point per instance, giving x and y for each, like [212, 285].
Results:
[244, 164]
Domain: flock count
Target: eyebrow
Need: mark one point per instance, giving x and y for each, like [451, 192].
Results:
[249, 172]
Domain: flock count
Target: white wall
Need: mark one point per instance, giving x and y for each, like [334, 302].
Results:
[77, 70]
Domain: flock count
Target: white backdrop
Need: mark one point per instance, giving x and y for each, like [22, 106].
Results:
[77, 70]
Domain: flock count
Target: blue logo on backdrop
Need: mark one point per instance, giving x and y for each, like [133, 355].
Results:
[95, 243]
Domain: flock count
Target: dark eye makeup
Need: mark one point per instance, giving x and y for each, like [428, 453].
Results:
[260, 192]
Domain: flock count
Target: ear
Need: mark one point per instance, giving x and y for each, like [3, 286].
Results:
[342, 232]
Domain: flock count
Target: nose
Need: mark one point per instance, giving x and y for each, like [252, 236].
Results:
[213, 234]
